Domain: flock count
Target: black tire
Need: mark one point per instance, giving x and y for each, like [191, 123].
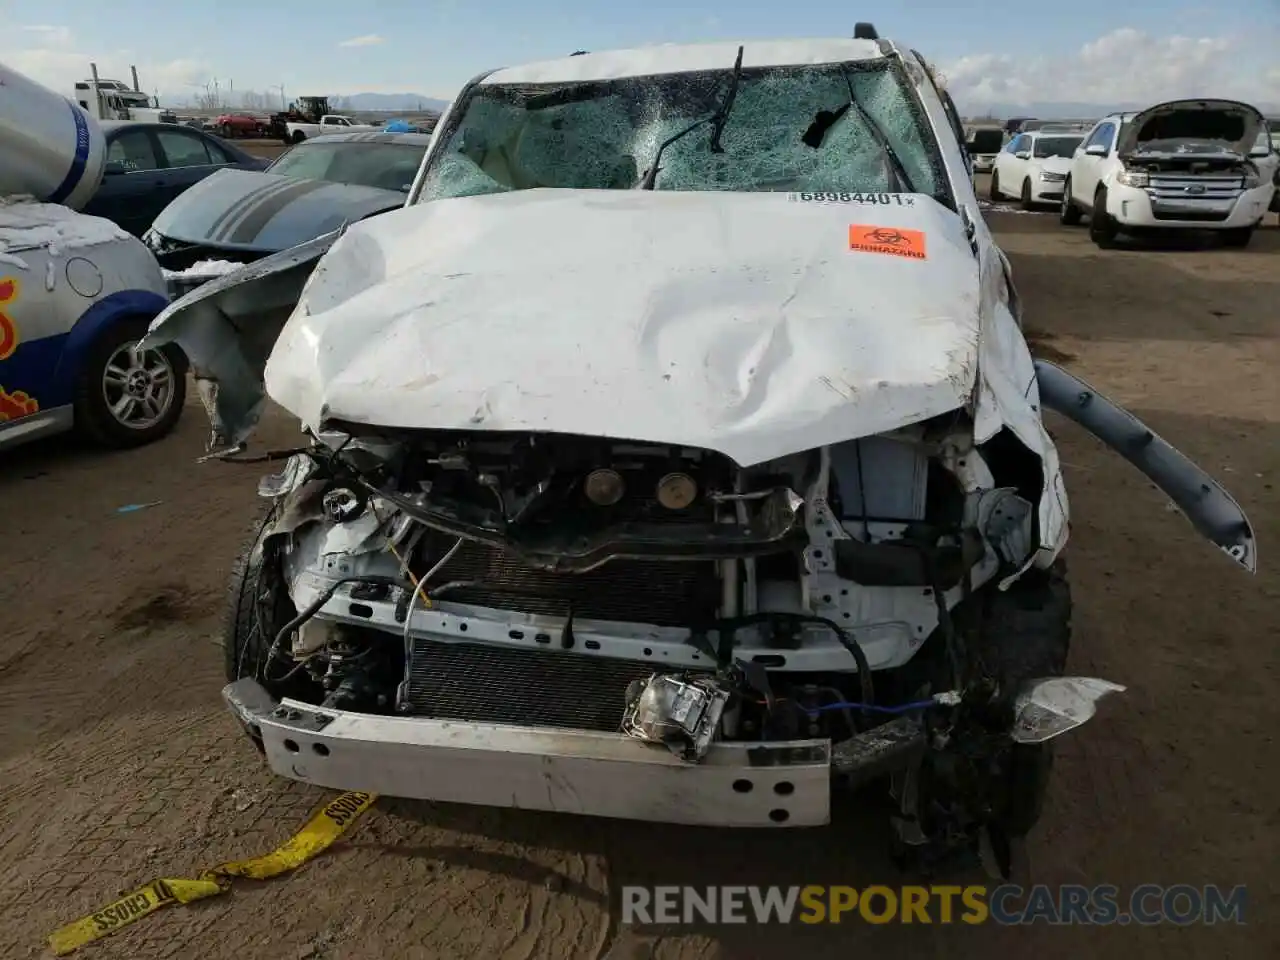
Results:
[995, 186]
[1238, 238]
[297, 136]
[258, 606]
[93, 414]
[1025, 634]
[1102, 228]
[1069, 215]
[1027, 202]
[225, 131]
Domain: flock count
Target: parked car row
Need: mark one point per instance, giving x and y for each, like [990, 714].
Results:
[1185, 164]
[68, 345]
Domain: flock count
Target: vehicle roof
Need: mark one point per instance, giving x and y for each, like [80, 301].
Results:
[686, 58]
[372, 136]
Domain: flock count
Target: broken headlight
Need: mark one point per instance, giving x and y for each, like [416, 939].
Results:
[680, 712]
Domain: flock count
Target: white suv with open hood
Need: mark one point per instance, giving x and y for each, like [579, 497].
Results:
[673, 453]
[1186, 164]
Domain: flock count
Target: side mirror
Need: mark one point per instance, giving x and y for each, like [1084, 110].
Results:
[1023, 154]
[1048, 708]
[1096, 150]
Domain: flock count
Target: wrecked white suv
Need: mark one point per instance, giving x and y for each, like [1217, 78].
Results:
[674, 454]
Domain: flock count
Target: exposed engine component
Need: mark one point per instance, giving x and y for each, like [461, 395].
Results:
[676, 491]
[683, 713]
[604, 488]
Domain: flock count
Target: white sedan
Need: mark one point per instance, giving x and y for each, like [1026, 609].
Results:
[1033, 167]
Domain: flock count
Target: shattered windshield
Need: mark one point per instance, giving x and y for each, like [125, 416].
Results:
[1056, 146]
[604, 135]
[389, 166]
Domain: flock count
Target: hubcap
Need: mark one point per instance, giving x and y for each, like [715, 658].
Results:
[138, 387]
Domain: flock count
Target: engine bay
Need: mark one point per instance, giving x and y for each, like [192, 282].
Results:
[559, 581]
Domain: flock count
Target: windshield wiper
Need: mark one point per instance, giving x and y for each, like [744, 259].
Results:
[717, 119]
[826, 119]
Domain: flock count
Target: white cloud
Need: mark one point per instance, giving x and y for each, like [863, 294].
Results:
[50, 34]
[1121, 67]
[55, 57]
[368, 40]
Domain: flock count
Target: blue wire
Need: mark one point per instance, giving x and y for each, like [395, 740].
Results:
[871, 708]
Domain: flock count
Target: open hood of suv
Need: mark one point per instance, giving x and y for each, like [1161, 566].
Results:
[1192, 126]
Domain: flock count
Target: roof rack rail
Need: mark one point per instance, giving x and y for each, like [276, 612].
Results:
[865, 31]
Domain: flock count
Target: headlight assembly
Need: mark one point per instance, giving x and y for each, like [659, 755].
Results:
[1133, 178]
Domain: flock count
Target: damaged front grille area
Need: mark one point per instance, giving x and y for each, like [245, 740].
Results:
[671, 593]
[487, 683]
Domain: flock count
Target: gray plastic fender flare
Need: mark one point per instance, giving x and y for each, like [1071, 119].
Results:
[1211, 510]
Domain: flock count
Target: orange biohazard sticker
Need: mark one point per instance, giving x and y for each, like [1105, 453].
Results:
[893, 240]
[16, 405]
[9, 290]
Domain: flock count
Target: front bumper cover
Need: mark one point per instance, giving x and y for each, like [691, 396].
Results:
[777, 784]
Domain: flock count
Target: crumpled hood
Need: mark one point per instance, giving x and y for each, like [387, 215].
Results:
[755, 325]
[265, 212]
[1226, 124]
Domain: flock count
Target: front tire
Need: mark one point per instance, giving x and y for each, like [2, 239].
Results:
[1069, 215]
[297, 136]
[995, 186]
[1027, 202]
[258, 606]
[1025, 634]
[126, 397]
[1102, 226]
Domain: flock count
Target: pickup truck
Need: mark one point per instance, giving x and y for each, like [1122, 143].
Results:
[329, 123]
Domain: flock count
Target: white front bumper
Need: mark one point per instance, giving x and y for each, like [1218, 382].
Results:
[1133, 207]
[1047, 191]
[567, 771]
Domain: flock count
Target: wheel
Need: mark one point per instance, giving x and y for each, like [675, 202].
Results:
[1025, 634]
[126, 397]
[1068, 214]
[1102, 227]
[225, 131]
[297, 137]
[1027, 202]
[258, 606]
[1238, 238]
[995, 186]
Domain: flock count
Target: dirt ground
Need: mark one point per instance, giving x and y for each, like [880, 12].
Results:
[118, 762]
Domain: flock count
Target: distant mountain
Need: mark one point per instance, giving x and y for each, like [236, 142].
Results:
[392, 102]
[973, 109]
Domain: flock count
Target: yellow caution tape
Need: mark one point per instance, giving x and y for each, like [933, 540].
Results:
[314, 838]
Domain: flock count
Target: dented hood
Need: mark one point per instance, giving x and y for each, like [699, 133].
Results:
[1192, 126]
[752, 324]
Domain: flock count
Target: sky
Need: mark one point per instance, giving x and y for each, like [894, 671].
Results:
[1005, 52]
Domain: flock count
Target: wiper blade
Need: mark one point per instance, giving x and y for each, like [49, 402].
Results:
[722, 115]
[718, 119]
[897, 169]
